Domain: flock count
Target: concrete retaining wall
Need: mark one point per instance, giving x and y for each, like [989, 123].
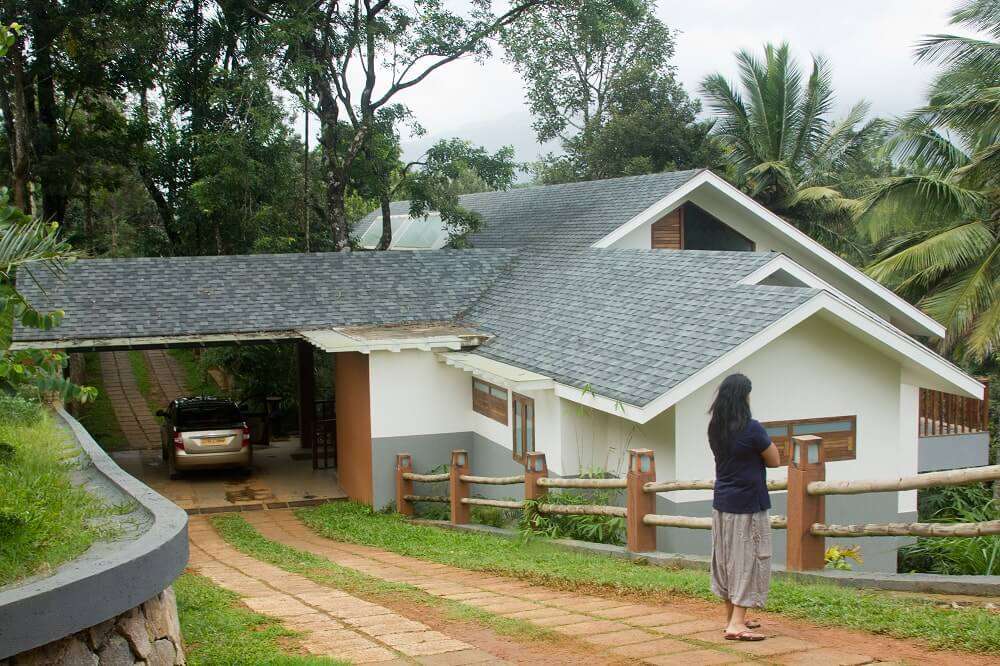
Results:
[110, 580]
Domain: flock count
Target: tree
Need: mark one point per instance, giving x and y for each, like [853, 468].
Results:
[27, 243]
[940, 220]
[781, 146]
[358, 57]
[598, 77]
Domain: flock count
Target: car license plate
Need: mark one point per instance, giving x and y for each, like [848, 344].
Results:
[213, 441]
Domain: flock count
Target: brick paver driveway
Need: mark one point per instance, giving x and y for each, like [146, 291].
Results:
[612, 630]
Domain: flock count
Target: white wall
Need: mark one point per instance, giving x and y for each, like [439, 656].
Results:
[592, 439]
[413, 394]
[814, 370]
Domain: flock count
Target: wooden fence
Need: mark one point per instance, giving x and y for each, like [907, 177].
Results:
[806, 486]
[948, 414]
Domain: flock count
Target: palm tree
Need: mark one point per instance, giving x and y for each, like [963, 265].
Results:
[782, 148]
[940, 222]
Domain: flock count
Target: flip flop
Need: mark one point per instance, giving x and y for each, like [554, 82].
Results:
[751, 624]
[745, 636]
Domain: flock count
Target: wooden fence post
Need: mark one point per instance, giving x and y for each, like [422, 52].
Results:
[807, 464]
[404, 463]
[459, 489]
[534, 469]
[641, 538]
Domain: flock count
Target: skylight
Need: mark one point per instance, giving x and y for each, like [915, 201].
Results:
[408, 233]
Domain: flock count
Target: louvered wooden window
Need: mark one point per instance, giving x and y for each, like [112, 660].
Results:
[839, 435]
[489, 400]
[667, 233]
[523, 426]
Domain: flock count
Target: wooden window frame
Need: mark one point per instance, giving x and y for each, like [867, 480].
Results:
[520, 446]
[487, 404]
[830, 455]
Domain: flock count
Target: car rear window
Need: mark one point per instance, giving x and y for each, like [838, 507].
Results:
[208, 415]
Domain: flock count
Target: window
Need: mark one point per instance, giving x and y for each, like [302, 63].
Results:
[489, 400]
[524, 427]
[839, 435]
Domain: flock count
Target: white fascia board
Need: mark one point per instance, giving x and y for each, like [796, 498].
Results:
[496, 372]
[871, 326]
[783, 229]
[588, 398]
[155, 341]
[331, 341]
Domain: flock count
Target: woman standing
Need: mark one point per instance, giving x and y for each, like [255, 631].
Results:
[741, 528]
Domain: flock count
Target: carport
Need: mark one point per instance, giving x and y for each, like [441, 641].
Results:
[347, 304]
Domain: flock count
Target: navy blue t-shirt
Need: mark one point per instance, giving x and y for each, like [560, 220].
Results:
[741, 479]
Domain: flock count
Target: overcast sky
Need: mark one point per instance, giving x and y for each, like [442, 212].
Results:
[869, 44]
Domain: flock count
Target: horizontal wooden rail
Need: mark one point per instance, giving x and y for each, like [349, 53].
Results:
[583, 509]
[698, 523]
[953, 477]
[493, 480]
[547, 482]
[426, 478]
[502, 504]
[908, 529]
[705, 484]
[427, 498]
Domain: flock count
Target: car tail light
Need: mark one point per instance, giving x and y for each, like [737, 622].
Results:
[178, 441]
[246, 435]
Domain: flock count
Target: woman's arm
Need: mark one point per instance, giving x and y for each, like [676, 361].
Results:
[771, 456]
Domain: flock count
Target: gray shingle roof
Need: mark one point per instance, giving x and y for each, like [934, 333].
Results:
[164, 296]
[570, 215]
[629, 324]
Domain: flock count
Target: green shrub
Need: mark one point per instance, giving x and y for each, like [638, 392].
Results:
[44, 518]
[597, 529]
[955, 555]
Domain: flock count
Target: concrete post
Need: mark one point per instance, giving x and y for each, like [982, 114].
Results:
[404, 463]
[640, 538]
[807, 464]
[534, 469]
[459, 489]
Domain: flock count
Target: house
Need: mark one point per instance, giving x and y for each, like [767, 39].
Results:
[587, 319]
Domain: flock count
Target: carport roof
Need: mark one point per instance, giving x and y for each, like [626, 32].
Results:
[256, 296]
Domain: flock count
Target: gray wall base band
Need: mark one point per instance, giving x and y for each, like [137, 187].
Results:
[108, 579]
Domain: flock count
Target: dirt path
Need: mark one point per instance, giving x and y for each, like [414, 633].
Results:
[687, 631]
[342, 626]
[137, 422]
[166, 375]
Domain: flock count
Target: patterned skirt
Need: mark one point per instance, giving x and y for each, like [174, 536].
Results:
[741, 557]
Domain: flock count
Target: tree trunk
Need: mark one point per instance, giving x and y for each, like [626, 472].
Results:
[54, 179]
[334, 173]
[21, 148]
[386, 240]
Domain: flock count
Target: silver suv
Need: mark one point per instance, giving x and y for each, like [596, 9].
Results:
[204, 432]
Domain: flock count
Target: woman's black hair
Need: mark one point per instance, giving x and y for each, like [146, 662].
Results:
[730, 413]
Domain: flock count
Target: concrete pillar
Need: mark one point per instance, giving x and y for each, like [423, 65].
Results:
[307, 394]
[805, 551]
[640, 538]
[404, 487]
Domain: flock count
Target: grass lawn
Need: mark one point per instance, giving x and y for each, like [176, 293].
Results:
[140, 368]
[217, 629]
[44, 518]
[241, 535]
[973, 630]
[98, 416]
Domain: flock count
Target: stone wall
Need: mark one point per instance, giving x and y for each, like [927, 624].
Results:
[149, 634]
